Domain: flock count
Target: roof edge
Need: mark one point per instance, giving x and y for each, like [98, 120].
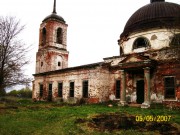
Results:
[71, 68]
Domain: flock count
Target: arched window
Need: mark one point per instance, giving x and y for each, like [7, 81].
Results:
[44, 36]
[59, 36]
[140, 43]
[59, 63]
[41, 64]
[176, 40]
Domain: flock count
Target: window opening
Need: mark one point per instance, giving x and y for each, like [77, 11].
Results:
[176, 40]
[118, 88]
[59, 64]
[44, 36]
[40, 90]
[59, 36]
[41, 64]
[140, 42]
[71, 89]
[169, 84]
[60, 89]
[85, 89]
[50, 92]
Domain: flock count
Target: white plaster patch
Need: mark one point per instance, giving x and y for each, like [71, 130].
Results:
[133, 97]
[112, 97]
[153, 97]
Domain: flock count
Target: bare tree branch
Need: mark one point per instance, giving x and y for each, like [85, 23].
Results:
[12, 54]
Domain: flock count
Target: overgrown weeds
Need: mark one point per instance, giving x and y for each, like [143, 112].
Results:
[36, 118]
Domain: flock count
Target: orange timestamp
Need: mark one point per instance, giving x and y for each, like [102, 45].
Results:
[151, 118]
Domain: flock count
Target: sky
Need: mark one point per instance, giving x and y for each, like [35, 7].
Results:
[94, 26]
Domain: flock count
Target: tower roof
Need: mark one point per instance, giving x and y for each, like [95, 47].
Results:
[157, 14]
[54, 15]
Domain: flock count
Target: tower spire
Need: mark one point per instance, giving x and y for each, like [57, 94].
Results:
[54, 8]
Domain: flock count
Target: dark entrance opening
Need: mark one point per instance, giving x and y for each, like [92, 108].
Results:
[50, 92]
[140, 91]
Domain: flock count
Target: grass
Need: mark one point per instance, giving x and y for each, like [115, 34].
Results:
[22, 116]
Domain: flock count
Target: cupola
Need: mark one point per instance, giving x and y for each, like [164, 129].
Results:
[54, 15]
[157, 14]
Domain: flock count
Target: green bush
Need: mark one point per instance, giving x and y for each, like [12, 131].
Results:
[24, 93]
[12, 93]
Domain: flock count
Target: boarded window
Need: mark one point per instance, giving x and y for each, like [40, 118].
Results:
[59, 36]
[140, 42]
[44, 36]
[60, 89]
[118, 88]
[71, 94]
[40, 90]
[85, 89]
[169, 87]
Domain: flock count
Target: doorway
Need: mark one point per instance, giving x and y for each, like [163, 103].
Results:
[140, 91]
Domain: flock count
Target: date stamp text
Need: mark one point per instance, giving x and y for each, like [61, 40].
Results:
[152, 118]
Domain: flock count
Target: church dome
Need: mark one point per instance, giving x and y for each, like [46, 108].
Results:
[54, 16]
[157, 14]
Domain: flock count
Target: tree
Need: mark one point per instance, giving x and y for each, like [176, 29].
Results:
[12, 54]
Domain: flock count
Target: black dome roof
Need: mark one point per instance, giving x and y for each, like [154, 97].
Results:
[54, 16]
[157, 14]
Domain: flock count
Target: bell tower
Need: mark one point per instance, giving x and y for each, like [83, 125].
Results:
[52, 51]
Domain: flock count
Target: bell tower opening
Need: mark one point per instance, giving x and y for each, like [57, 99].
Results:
[59, 36]
[44, 36]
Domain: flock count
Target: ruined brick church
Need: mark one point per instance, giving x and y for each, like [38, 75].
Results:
[146, 71]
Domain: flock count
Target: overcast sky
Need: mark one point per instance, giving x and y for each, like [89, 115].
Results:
[94, 26]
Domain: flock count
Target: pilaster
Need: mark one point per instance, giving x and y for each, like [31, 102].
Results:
[123, 88]
[147, 87]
